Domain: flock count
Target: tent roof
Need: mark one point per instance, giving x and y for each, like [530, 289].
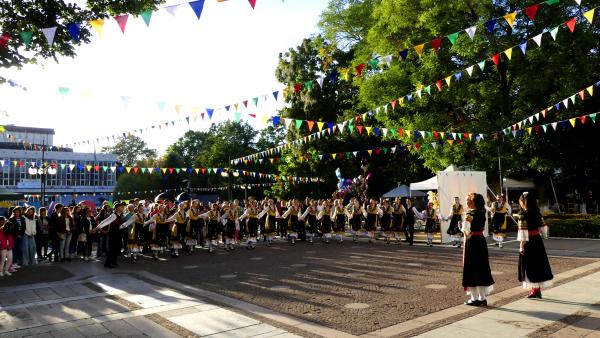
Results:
[403, 191]
[515, 184]
[431, 184]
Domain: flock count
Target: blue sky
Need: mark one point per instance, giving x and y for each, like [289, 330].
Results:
[228, 56]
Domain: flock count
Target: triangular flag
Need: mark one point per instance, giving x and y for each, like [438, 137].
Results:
[531, 11]
[209, 111]
[523, 47]
[310, 125]
[481, 65]
[572, 121]
[419, 49]
[571, 24]
[589, 15]
[320, 125]
[453, 37]
[495, 59]
[436, 43]
[161, 105]
[470, 70]
[299, 123]
[538, 39]
[252, 3]
[593, 117]
[49, 34]
[97, 25]
[471, 31]
[448, 79]
[74, 28]
[319, 81]
[172, 9]
[508, 53]
[146, 16]
[510, 18]
[490, 25]
[590, 90]
[122, 21]
[63, 90]
[553, 32]
[26, 37]
[403, 54]
[197, 7]
[255, 100]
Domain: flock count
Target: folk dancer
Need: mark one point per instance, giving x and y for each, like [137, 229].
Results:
[339, 216]
[386, 220]
[411, 215]
[212, 219]
[193, 227]
[477, 275]
[115, 223]
[431, 216]
[310, 216]
[372, 213]
[354, 213]
[292, 213]
[500, 211]
[179, 222]
[158, 229]
[455, 216]
[325, 217]
[271, 212]
[251, 217]
[135, 242]
[398, 213]
[534, 269]
[230, 219]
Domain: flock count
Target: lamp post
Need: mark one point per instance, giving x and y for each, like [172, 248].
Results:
[42, 170]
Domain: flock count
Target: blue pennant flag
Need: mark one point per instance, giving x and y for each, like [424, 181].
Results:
[523, 47]
[409, 97]
[74, 29]
[457, 76]
[557, 106]
[197, 7]
[275, 94]
[403, 54]
[209, 111]
[376, 130]
[333, 76]
[227, 108]
[276, 120]
[490, 25]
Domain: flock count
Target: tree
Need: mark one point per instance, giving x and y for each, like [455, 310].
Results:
[19, 18]
[130, 149]
[190, 146]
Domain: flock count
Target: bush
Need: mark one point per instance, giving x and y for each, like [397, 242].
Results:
[574, 226]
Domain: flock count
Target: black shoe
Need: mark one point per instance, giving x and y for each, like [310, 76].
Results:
[474, 302]
[483, 302]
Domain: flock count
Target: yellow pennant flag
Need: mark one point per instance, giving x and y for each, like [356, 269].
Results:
[508, 53]
[88, 167]
[197, 170]
[364, 116]
[370, 151]
[164, 170]
[450, 142]
[573, 120]
[407, 133]
[510, 18]
[590, 90]
[97, 25]
[369, 130]
[529, 130]
[589, 15]
[448, 79]
[320, 125]
[345, 73]
[334, 156]
[264, 120]
[419, 49]
[128, 169]
[401, 101]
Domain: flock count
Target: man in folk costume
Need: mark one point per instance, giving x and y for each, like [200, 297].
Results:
[500, 211]
[372, 213]
[386, 220]
[310, 216]
[240, 229]
[398, 213]
[354, 212]
[251, 217]
[431, 218]
[534, 268]
[193, 226]
[270, 227]
[180, 221]
[339, 218]
[455, 216]
[115, 223]
[325, 217]
[212, 223]
[477, 275]
[292, 213]
[135, 242]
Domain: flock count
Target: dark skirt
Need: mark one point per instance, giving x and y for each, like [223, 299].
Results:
[340, 223]
[311, 224]
[252, 227]
[498, 221]
[326, 224]
[213, 228]
[430, 225]
[397, 222]
[230, 229]
[356, 223]
[386, 223]
[476, 264]
[453, 228]
[270, 225]
[533, 263]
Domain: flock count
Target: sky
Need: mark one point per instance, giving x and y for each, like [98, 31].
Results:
[117, 82]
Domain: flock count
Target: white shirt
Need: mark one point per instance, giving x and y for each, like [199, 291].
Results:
[30, 227]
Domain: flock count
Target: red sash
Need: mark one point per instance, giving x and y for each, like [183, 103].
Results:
[477, 233]
[534, 232]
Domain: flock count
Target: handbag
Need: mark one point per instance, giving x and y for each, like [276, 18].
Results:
[82, 237]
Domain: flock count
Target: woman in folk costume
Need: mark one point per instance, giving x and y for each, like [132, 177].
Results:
[398, 213]
[262, 219]
[339, 218]
[193, 226]
[292, 213]
[500, 211]
[534, 269]
[135, 242]
[431, 216]
[354, 213]
[477, 275]
[158, 231]
[180, 221]
[455, 216]
[230, 218]
[372, 213]
[251, 217]
[325, 217]
[212, 218]
[310, 216]
[270, 229]
[386, 220]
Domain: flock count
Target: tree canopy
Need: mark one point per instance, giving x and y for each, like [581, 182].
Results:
[130, 149]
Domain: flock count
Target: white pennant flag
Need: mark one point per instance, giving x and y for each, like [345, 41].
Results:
[320, 81]
[388, 59]
[470, 70]
[578, 2]
[288, 122]
[537, 116]
[422, 133]
[172, 9]
[419, 93]
[481, 136]
[531, 119]
[554, 124]
[355, 152]
[341, 127]
[113, 169]
[538, 39]
[71, 167]
[393, 150]
[471, 31]
[2, 163]
[566, 103]
[49, 34]
[385, 131]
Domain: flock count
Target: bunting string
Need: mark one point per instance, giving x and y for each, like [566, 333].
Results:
[560, 125]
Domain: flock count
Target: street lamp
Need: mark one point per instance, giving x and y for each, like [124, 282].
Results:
[43, 170]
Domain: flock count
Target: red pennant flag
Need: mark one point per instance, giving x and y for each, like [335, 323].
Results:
[400, 132]
[496, 58]
[171, 170]
[438, 85]
[418, 146]
[531, 11]
[393, 103]
[122, 21]
[436, 134]
[97, 167]
[310, 125]
[465, 136]
[297, 88]
[377, 151]
[571, 24]
[359, 128]
[537, 129]
[252, 3]
[582, 95]
[135, 169]
[203, 170]
[4, 40]
[436, 43]
[582, 119]
[359, 69]
[252, 115]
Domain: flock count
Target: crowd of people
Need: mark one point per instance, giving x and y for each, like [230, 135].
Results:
[129, 229]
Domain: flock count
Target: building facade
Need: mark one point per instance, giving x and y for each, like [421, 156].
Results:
[25, 151]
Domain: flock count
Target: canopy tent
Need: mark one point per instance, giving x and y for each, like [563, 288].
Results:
[403, 191]
[6, 195]
[512, 184]
[432, 183]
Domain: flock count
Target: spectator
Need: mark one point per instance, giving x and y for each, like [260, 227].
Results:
[28, 249]
[53, 227]
[88, 223]
[18, 227]
[64, 234]
[75, 230]
[6, 246]
[41, 237]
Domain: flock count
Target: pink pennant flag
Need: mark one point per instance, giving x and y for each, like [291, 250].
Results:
[122, 21]
[252, 3]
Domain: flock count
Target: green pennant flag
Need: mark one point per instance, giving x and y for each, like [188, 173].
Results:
[453, 37]
[553, 32]
[299, 123]
[481, 65]
[429, 134]
[347, 154]
[26, 37]
[393, 131]
[177, 170]
[385, 150]
[544, 126]
[255, 100]
[428, 89]
[209, 170]
[62, 166]
[143, 170]
[146, 15]
[373, 64]
[238, 116]
[551, 2]
[308, 85]
[63, 90]
[351, 128]
[593, 117]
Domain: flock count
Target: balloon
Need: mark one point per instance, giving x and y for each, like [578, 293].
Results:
[338, 173]
[368, 177]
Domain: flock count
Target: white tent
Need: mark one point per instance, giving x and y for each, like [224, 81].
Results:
[432, 183]
[511, 184]
[403, 191]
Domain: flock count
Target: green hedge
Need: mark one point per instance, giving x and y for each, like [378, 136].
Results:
[574, 226]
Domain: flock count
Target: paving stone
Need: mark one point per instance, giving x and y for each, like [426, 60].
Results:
[41, 335]
[28, 296]
[64, 291]
[214, 321]
[67, 333]
[121, 328]
[47, 294]
[92, 330]
[260, 330]
[150, 328]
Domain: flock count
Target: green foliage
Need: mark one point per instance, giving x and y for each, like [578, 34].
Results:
[577, 227]
[130, 149]
[190, 146]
